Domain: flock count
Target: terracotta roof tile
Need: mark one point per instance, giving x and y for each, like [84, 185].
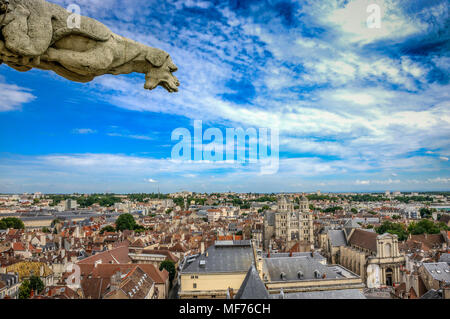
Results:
[364, 239]
[117, 255]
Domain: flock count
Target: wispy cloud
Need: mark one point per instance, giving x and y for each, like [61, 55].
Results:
[12, 97]
[133, 136]
[347, 99]
[84, 131]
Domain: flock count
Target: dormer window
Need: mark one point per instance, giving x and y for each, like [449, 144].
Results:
[300, 275]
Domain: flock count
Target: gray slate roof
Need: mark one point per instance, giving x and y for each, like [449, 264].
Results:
[352, 223]
[327, 294]
[235, 257]
[337, 238]
[445, 258]
[317, 256]
[252, 287]
[432, 294]
[439, 271]
[291, 266]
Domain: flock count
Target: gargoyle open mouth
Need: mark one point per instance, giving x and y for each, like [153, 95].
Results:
[159, 77]
[171, 87]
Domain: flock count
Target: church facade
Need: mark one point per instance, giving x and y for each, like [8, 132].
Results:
[288, 225]
[376, 258]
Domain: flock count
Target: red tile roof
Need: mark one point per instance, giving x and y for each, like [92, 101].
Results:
[18, 246]
[107, 270]
[117, 255]
[364, 239]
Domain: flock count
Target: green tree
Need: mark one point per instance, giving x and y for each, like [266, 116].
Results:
[179, 201]
[393, 228]
[108, 229]
[34, 283]
[426, 226]
[11, 222]
[170, 267]
[45, 230]
[25, 290]
[332, 209]
[426, 212]
[125, 222]
[139, 228]
[354, 210]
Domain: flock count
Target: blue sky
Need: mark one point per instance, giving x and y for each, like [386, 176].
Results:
[358, 109]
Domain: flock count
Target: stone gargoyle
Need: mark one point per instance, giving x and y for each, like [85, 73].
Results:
[35, 34]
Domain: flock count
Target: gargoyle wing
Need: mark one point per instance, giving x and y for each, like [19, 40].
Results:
[89, 28]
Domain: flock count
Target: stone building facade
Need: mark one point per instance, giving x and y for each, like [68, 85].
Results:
[288, 224]
[376, 258]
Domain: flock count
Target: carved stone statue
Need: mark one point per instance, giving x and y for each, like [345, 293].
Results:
[35, 34]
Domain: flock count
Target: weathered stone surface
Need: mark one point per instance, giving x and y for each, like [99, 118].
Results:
[35, 34]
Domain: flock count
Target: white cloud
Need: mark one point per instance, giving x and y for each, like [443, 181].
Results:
[352, 20]
[119, 173]
[132, 136]
[327, 96]
[84, 131]
[12, 97]
[439, 180]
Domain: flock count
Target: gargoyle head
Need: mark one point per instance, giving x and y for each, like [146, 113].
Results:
[160, 72]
